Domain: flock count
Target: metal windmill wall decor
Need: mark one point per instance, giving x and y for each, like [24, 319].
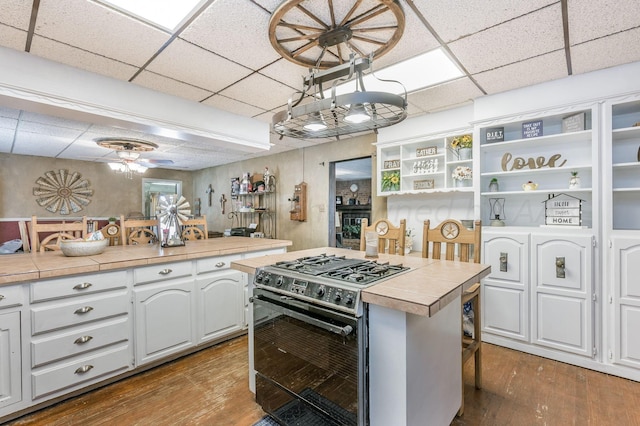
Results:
[63, 192]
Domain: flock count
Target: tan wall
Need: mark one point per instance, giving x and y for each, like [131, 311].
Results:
[289, 168]
[112, 194]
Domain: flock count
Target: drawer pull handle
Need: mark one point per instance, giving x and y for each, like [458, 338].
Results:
[560, 267]
[83, 339]
[84, 369]
[220, 264]
[166, 271]
[82, 286]
[503, 261]
[83, 310]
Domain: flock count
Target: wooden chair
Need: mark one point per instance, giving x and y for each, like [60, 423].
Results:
[138, 231]
[390, 237]
[53, 233]
[195, 229]
[460, 243]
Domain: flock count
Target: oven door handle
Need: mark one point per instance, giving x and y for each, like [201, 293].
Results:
[342, 331]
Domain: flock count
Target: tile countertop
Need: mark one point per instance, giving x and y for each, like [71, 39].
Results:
[15, 268]
[423, 290]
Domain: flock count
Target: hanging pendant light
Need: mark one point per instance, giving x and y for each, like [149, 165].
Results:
[315, 123]
[357, 114]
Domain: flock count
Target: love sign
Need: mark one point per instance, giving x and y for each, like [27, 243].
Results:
[510, 163]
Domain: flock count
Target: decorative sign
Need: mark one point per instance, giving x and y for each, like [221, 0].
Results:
[424, 184]
[509, 163]
[532, 129]
[573, 123]
[494, 134]
[391, 164]
[563, 209]
[423, 152]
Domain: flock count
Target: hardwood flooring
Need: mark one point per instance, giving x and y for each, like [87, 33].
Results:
[210, 388]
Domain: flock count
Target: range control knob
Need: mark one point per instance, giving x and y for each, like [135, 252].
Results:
[338, 297]
[320, 291]
[349, 299]
[259, 277]
[280, 281]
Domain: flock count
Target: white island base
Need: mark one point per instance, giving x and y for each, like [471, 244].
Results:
[415, 375]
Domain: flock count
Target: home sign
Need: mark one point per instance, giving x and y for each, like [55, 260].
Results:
[563, 209]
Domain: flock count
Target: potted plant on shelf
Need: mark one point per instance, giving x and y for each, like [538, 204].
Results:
[462, 146]
[391, 180]
[462, 176]
[493, 185]
[112, 219]
[574, 181]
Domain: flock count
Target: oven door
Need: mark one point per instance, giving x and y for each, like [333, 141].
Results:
[308, 361]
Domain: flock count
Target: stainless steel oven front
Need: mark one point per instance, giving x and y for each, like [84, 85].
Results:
[310, 361]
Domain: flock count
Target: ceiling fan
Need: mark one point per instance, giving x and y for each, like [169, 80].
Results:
[128, 151]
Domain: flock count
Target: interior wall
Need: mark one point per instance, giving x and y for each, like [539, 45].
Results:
[113, 194]
[310, 165]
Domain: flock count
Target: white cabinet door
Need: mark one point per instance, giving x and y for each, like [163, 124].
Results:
[562, 289]
[626, 300]
[165, 319]
[10, 355]
[220, 304]
[505, 292]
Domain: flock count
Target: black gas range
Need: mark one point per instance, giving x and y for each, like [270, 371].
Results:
[328, 280]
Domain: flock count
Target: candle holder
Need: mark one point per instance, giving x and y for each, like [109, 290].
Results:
[497, 211]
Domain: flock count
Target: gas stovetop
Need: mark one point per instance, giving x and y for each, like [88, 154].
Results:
[329, 280]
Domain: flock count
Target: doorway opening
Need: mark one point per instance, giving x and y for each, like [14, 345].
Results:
[350, 198]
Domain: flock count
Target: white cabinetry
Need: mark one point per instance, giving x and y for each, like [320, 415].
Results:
[422, 165]
[80, 332]
[164, 309]
[11, 311]
[221, 296]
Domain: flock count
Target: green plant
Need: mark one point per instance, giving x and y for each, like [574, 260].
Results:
[494, 180]
[391, 180]
[574, 173]
[111, 219]
[351, 231]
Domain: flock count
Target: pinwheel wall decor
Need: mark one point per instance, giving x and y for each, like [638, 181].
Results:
[62, 191]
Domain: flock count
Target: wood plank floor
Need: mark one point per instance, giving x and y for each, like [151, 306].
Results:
[210, 388]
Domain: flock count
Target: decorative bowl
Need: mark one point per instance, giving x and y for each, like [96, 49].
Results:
[73, 248]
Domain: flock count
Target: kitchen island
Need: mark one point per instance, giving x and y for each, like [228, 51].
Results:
[414, 335]
[71, 324]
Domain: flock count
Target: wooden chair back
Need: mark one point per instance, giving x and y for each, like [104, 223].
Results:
[47, 236]
[138, 231]
[195, 229]
[453, 239]
[390, 237]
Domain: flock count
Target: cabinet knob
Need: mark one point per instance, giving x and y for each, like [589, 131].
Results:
[220, 264]
[1, 297]
[83, 310]
[83, 339]
[82, 286]
[165, 271]
[560, 267]
[84, 369]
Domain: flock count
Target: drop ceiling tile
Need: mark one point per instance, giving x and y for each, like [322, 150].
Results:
[445, 95]
[589, 20]
[168, 85]
[235, 30]
[526, 37]
[16, 13]
[33, 117]
[259, 91]
[605, 52]
[536, 70]
[28, 143]
[194, 65]
[82, 59]
[231, 105]
[12, 38]
[286, 72]
[452, 20]
[6, 139]
[8, 118]
[108, 33]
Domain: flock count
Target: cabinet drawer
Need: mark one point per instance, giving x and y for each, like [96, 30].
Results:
[78, 285]
[160, 272]
[11, 295]
[56, 346]
[218, 263]
[80, 371]
[76, 311]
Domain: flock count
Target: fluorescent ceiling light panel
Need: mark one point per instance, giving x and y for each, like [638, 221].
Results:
[165, 13]
[421, 71]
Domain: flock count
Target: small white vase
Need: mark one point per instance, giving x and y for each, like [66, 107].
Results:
[462, 183]
[574, 182]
